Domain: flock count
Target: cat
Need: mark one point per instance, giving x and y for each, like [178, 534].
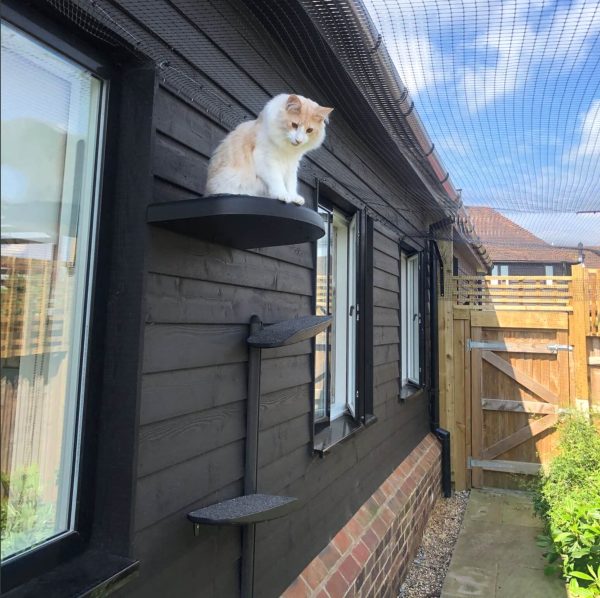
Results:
[261, 157]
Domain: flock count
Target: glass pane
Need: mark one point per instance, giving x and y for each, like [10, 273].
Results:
[413, 318]
[339, 310]
[50, 134]
[351, 314]
[323, 303]
[404, 317]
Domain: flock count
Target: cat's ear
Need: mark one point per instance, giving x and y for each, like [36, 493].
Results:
[323, 113]
[293, 104]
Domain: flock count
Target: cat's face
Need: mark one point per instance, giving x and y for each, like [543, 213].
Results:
[303, 122]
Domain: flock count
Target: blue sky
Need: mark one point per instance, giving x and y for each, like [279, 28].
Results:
[509, 91]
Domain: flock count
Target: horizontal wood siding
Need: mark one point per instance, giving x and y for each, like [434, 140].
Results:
[199, 300]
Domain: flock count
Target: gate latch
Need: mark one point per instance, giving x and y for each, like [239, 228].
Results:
[557, 348]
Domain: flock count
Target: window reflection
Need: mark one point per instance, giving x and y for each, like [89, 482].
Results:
[51, 112]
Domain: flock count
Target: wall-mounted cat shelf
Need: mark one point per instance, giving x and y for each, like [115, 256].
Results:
[253, 508]
[239, 221]
[243, 510]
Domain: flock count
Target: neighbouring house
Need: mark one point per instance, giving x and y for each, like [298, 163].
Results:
[128, 364]
[591, 257]
[517, 252]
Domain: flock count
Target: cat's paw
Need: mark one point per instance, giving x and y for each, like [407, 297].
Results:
[284, 198]
[298, 200]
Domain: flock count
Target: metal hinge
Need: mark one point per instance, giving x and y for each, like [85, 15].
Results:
[500, 346]
[557, 348]
[475, 345]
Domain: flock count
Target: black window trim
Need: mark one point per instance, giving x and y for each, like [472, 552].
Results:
[327, 433]
[103, 520]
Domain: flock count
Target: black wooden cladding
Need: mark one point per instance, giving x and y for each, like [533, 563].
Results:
[199, 298]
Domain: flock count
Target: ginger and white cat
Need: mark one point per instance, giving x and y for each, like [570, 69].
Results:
[261, 157]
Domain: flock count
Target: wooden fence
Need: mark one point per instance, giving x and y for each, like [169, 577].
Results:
[515, 352]
[35, 324]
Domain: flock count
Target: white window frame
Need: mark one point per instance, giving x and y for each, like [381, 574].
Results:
[410, 318]
[341, 386]
[414, 319]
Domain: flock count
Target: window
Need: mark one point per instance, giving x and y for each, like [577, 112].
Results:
[335, 381]
[52, 122]
[76, 182]
[341, 365]
[500, 270]
[410, 312]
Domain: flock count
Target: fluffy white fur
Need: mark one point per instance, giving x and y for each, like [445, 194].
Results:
[261, 157]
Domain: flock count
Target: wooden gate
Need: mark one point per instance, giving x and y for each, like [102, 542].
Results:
[520, 381]
[517, 351]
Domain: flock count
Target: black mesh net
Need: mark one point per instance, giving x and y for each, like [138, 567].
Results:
[491, 103]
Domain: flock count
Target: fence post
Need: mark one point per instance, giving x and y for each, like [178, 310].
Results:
[578, 329]
[445, 357]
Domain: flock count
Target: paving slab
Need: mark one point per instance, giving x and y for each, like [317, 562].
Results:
[496, 555]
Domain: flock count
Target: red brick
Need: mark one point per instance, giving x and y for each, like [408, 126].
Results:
[354, 528]
[379, 527]
[387, 488]
[323, 594]
[298, 589]
[378, 496]
[387, 515]
[370, 540]
[336, 586]
[315, 573]
[349, 569]
[361, 553]
[342, 541]
[330, 556]
[363, 517]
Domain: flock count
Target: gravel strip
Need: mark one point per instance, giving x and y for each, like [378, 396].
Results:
[428, 571]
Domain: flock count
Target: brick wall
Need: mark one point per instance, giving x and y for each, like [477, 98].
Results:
[369, 556]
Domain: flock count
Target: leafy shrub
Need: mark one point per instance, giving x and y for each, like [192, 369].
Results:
[568, 498]
[25, 519]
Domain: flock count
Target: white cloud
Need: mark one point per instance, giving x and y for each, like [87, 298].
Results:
[521, 44]
[404, 26]
[589, 144]
[530, 65]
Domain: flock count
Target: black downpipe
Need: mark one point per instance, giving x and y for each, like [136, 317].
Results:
[444, 437]
[434, 406]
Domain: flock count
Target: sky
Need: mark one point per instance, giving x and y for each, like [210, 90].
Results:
[509, 92]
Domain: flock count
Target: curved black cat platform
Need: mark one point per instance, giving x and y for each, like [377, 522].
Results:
[239, 221]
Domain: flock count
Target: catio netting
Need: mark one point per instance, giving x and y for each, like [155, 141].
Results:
[492, 102]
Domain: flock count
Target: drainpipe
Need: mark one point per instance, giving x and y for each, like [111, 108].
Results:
[434, 407]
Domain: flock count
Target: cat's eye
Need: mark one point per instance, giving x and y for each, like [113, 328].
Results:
[295, 125]
[309, 130]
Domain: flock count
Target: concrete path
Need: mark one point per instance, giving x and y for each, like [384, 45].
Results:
[496, 555]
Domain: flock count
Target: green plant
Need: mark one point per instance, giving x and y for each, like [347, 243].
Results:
[25, 519]
[567, 497]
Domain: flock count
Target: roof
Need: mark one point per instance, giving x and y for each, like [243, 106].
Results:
[506, 241]
[592, 257]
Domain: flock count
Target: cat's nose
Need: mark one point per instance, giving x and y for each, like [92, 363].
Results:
[295, 142]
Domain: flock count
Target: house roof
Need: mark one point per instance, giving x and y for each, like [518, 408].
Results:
[506, 241]
[592, 257]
